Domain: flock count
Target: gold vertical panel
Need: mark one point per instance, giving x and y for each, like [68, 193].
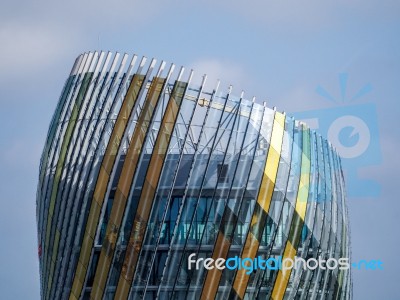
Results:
[61, 106]
[101, 185]
[149, 189]
[221, 250]
[304, 185]
[298, 218]
[211, 284]
[283, 276]
[78, 281]
[53, 262]
[102, 182]
[63, 153]
[264, 200]
[271, 165]
[123, 186]
[250, 250]
[59, 168]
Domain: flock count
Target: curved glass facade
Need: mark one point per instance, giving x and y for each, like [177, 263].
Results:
[142, 168]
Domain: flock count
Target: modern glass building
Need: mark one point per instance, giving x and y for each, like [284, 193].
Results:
[143, 167]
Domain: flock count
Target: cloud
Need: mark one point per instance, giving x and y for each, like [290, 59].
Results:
[280, 50]
[312, 15]
[30, 47]
[38, 37]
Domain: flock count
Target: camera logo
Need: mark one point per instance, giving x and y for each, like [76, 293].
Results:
[353, 130]
[351, 136]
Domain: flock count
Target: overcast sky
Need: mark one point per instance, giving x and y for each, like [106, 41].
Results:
[279, 53]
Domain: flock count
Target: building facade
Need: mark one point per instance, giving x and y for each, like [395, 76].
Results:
[142, 168]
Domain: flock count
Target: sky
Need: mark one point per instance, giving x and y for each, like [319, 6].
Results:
[285, 53]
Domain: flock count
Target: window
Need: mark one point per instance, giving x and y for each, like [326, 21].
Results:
[222, 173]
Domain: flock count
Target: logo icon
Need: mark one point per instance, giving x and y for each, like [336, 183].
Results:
[353, 130]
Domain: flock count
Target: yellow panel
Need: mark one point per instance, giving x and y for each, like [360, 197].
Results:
[78, 281]
[72, 297]
[277, 131]
[101, 277]
[279, 287]
[283, 275]
[272, 164]
[302, 194]
[149, 186]
[301, 207]
[81, 274]
[129, 167]
[117, 212]
[56, 241]
[61, 160]
[123, 187]
[290, 252]
[50, 282]
[123, 291]
[60, 164]
[213, 277]
[250, 250]
[86, 251]
[95, 291]
[305, 175]
[265, 194]
[280, 119]
[101, 186]
[263, 199]
[91, 224]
